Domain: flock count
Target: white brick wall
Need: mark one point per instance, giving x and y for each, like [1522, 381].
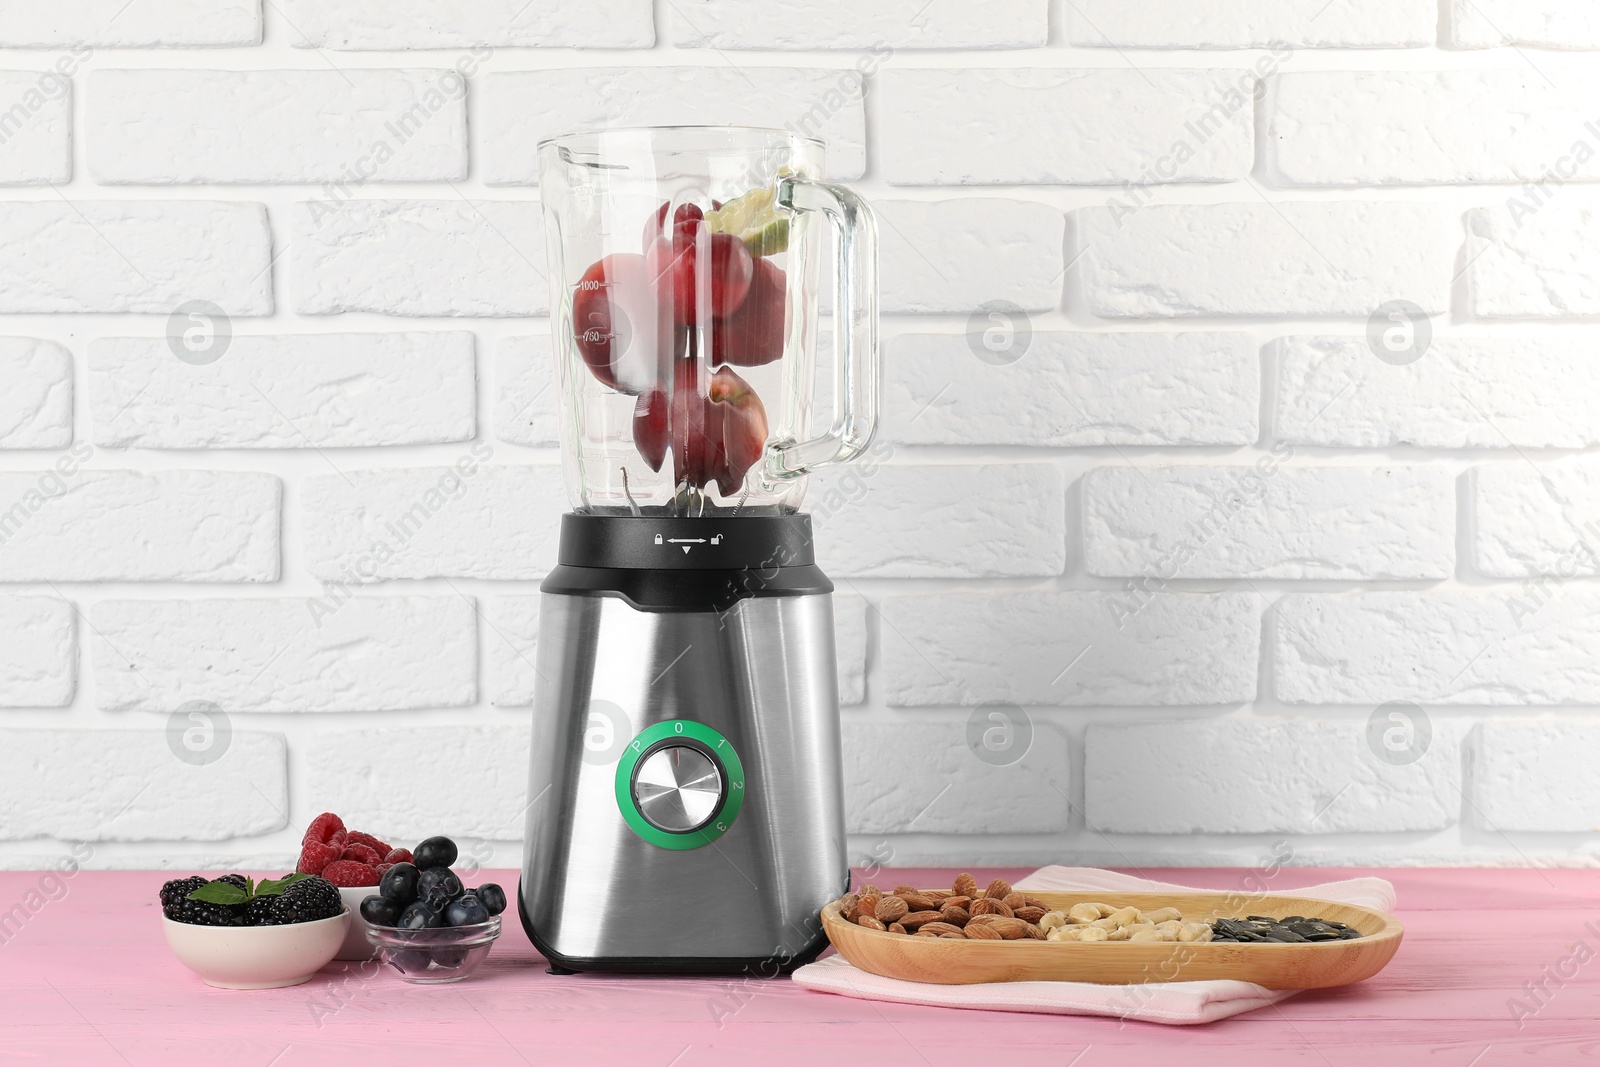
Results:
[1073, 389]
[845, 24]
[1250, 24]
[1268, 522]
[65, 523]
[1438, 647]
[518, 110]
[527, 408]
[1542, 520]
[39, 663]
[1011, 126]
[1254, 777]
[1537, 777]
[278, 430]
[1541, 23]
[144, 256]
[1463, 392]
[462, 521]
[1307, 259]
[35, 132]
[417, 257]
[1069, 648]
[336, 652]
[953, 255]
[117, 24]
[214, 126]
[362, 25]
[1427, 127]
[36, 407]
[305, 391]
[1535, 258]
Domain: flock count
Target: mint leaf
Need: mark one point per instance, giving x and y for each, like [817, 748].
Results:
[272, 887]
[220, 893]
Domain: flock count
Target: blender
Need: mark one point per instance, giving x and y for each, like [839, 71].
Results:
[685, 798]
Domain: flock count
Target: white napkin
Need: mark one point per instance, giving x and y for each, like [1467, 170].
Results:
[1174, 1003]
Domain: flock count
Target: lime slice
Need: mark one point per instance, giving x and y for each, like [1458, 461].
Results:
[755, 220]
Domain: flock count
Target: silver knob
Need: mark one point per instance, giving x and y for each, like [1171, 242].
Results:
[677, 789]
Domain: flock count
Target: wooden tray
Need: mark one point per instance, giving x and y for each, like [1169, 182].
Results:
[1275, 966]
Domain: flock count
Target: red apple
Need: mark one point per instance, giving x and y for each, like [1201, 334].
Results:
[686, 213]
[650, 427]
[708, 274]
[623, 332]
[753, 335]
[742, 426]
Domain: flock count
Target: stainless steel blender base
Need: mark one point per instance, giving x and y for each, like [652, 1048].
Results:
[601, 893]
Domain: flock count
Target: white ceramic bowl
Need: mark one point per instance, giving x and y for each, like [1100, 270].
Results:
[356, 946]
[257, 957]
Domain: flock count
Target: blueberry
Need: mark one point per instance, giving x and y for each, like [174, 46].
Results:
[420, 916]
[410, 960]
[466, 910]
[438, 886]
[435, 852]
[381, 912]
[493, 897]
[399, 884]
[449, 957]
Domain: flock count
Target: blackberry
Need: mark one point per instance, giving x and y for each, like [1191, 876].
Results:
[234, 880]
[305, 901]
[178, 889]
[200, 913]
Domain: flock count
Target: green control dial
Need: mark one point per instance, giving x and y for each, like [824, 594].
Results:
[680, 784]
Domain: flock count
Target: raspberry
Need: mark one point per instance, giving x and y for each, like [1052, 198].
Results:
[350, 873]
[314, 856]
[323, 827]
[399, 855]
[356, 837]
[362, 854]
[382, 869]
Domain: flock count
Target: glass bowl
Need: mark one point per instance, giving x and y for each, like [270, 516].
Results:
[436, 954]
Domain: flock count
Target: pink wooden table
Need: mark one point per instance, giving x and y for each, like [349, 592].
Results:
[87, 978]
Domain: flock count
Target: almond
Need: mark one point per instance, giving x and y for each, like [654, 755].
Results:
[1036, 931]
[870, 923]
[918, 901]
[1015, 900]
[939, 929]
[955, 916]
[990, 906]
[956, 902]
[981, 932]
[850, 906]
[965, 885]
[896, 928]
[937, 894]
[890, 909]
[914, 919]
[957, 936]
[1028, 913]
[902, 890]
[1010, 929]
[1034, 902]
[998, 889]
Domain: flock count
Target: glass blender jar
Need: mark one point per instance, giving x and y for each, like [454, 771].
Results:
[686, 736]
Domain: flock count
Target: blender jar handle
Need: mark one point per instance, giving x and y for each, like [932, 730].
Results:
[855, 309]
